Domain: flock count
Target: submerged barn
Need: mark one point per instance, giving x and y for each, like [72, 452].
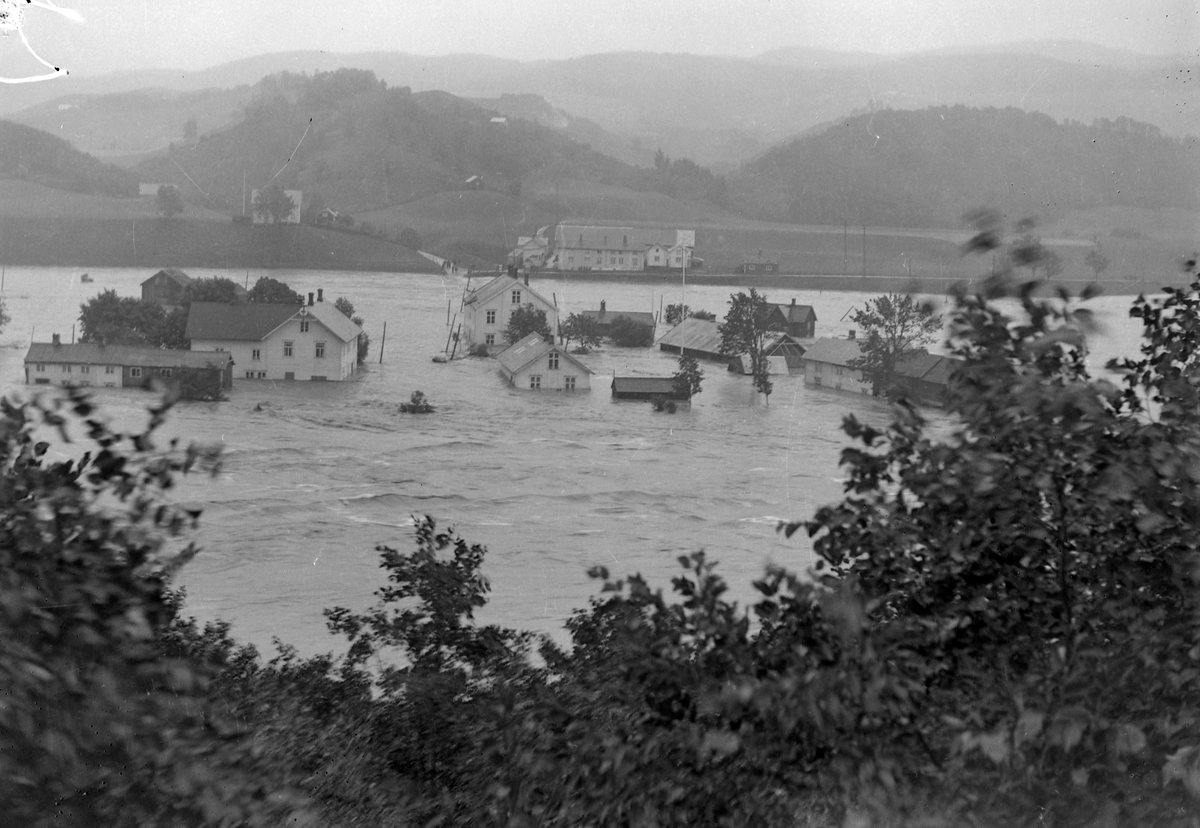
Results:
[699, 338]
[199, 376]
[645, 388]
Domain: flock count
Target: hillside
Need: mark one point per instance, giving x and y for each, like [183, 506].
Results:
[349, 141]
[928, 168]
[720, 111]
[31, 155]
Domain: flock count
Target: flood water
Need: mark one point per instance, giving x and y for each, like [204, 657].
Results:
[551, 483]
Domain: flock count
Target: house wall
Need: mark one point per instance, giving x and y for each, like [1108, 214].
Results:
[339, 362]
[72, 373]
[476, 328]
[837, 377]
[600, 259]
[551, 379]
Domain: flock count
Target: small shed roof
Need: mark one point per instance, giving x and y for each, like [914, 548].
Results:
[834, 351]
[215, 320]
[92, 353]
[694, 334]
[173, 273]
[643, 385]
[521, 353]
[607, 317]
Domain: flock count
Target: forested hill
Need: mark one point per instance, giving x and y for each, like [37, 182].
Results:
[30, 154]
[363, 146]
[927, 168]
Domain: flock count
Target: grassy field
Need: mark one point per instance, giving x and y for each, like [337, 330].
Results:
[26, 199]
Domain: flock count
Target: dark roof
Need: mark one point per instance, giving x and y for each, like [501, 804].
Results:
[91, 353]
[795, 314]
[173, 273]
[694, 334]
[928, 367]
[607, 317]
[834, 351]
[643, 385]
[214, 320]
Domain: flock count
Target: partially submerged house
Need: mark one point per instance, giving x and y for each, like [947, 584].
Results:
[799, 321]
[785, 355]
[486, 310]
[167, 287]
[827, 363]
[699, 338]
[278, 342]
[197, 375]
[605, 318]
[538, 364]
[926, 377]
[645, 388]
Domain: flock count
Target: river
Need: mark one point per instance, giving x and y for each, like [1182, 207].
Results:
[551, 483]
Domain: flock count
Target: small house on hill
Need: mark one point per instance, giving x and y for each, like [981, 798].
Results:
[645, 388]
[166, 287]
[699, 338]
[537, 364]
[799, 321]
[199, 376]
[278, 342]
[487, 308]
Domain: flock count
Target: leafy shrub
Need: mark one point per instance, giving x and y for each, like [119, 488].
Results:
[478, 350]
[417, 404]
[626, 333]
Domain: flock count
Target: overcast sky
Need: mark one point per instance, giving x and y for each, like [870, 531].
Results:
[193, 34]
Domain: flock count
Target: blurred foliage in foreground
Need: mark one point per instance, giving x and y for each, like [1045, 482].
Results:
[1003, 629]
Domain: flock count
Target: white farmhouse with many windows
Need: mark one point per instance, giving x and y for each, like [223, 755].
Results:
[487, 308]
[278, 342]
[539, 365]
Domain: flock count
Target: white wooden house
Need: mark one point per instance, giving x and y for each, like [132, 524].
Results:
[539, 365]
[278, 342]
[486, 310]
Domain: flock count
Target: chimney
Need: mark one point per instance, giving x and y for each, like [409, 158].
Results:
[320, 294]
[852, 332]
[57, 339]
[527, 278]
[793, 301]
[310, 301]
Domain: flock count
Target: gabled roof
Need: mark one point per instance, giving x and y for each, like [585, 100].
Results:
[591, 237]
[694, 334]
[215, 320]
[607, 317]
[92, 353]
[933, 368]
[337, 322]
[834, 351]
[795, 314]
[521, 353]
[175, 274]
[499, 285]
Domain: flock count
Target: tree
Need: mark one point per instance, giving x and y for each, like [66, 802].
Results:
[110, 319]
[582, 329]
[347, 309]
[676, 313]
[190, 128]
[273, 204]
[687, 378]
[274, 292]
[213, 289]
[1097, 261]
[894, 327]
[526, 320]
[745, 331]
[626, 333]
[5, 317]
[410, 238]
[1052, 263]
[168, 201]
[101, 724]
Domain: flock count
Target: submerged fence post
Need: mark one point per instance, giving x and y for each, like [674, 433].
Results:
[382, 342]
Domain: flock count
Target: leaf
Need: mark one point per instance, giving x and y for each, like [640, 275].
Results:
[1128, 739]
[1029, 725]
[994, 747]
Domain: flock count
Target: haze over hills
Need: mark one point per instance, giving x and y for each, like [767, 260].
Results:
[722, 111]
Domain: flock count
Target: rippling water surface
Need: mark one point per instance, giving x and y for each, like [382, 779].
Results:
[552, 484]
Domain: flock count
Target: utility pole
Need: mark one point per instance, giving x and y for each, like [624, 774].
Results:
[864, 251]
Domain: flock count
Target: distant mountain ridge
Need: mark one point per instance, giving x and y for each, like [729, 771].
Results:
[723, 111]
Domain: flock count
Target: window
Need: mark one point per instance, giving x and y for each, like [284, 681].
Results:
[535, 380]
[491, 317]
[135, 372]
[108, 369]
[66, 369]
[303, 326]
[320, 350]
[289, 375]
[490, 339]
[817, 367]
[839, 371]
[568, 383]
[41, 366]
[164, 372]
[287, 347]
[516, 297]
[571, 259]
[256, 354]
[816, 380]
[85, 369]
[553, 357]
[249, 375]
